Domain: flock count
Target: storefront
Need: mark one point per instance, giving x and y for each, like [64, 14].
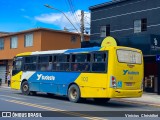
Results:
[150, 74]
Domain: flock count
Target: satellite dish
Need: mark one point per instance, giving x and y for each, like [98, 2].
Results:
[109, 41]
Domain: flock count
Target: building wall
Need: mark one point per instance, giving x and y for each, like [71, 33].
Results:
[121, 17]
[57, 40]
[9, 53]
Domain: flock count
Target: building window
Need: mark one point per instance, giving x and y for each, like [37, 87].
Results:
[107, 30]
[140, 25]
[14, 42]
[1, 43]
[73, 38]
[144, 24]
[28, 40]
[104, 31]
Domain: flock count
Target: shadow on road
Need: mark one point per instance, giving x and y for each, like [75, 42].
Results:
[111, 103]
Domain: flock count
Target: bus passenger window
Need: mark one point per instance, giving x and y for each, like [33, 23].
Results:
[30, 67]
[85, 67]
[30, 63]
[49, 67]
[98, 67]
[99, 57]
[45, 63]
[83, 57]
[62, 63]
[32, 59]
[81, 62]
[99, 62]
[75, 67]
[43, 68]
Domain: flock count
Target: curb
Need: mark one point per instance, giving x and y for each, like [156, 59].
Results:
[139, 102]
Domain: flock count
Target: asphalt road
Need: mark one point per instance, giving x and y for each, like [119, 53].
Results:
[45, 106]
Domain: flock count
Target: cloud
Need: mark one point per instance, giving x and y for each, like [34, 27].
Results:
[61, 21]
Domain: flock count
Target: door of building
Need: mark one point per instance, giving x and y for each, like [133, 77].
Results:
[3, 73]
[150, 77]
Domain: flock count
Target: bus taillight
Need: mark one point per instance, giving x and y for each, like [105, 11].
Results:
[113, 83]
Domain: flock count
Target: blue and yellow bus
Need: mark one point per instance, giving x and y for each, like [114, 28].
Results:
[97, 72]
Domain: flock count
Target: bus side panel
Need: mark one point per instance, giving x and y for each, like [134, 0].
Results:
[16, 81]
[52, 82]
[93, 85]
[33, 86]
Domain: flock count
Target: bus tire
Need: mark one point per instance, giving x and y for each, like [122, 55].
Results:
[25, 88]
[101, 100]
[74, 93]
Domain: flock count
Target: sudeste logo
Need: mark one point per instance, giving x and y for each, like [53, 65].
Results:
[130, 72]
[42, 77]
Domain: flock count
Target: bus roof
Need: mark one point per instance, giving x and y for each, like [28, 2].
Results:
[67, 51]
[77, 50]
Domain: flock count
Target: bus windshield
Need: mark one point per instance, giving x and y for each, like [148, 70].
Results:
[128, 56]
[17, 64]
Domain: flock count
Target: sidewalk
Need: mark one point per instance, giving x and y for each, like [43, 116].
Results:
[146, 99]
[5, 86]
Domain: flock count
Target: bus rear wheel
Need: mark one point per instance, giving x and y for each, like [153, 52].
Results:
[101, 100]
[25, 88]
[74, 93]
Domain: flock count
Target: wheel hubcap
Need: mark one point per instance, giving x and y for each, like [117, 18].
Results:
[73, 93]
[25, 87]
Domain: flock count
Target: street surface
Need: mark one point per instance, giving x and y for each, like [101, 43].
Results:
[13, 100]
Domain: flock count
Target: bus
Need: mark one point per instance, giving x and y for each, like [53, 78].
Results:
[100, 73]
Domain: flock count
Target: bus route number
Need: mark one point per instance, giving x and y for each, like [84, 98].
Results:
[84, 79]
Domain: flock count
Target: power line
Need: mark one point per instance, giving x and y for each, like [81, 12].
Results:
[73, 12]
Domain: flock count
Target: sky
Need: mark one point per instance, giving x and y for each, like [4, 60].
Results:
[19, 15]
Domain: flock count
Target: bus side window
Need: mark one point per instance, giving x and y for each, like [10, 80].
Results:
[99, 62]
[45, 63]
[62, 63]
[81, 62]
[30, 63]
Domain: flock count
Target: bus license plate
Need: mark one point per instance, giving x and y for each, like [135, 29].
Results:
[128, 84]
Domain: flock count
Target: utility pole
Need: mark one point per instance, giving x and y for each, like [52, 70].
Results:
[82, 26]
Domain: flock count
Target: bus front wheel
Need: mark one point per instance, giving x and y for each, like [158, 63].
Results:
[74, 93]
[25, 88]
